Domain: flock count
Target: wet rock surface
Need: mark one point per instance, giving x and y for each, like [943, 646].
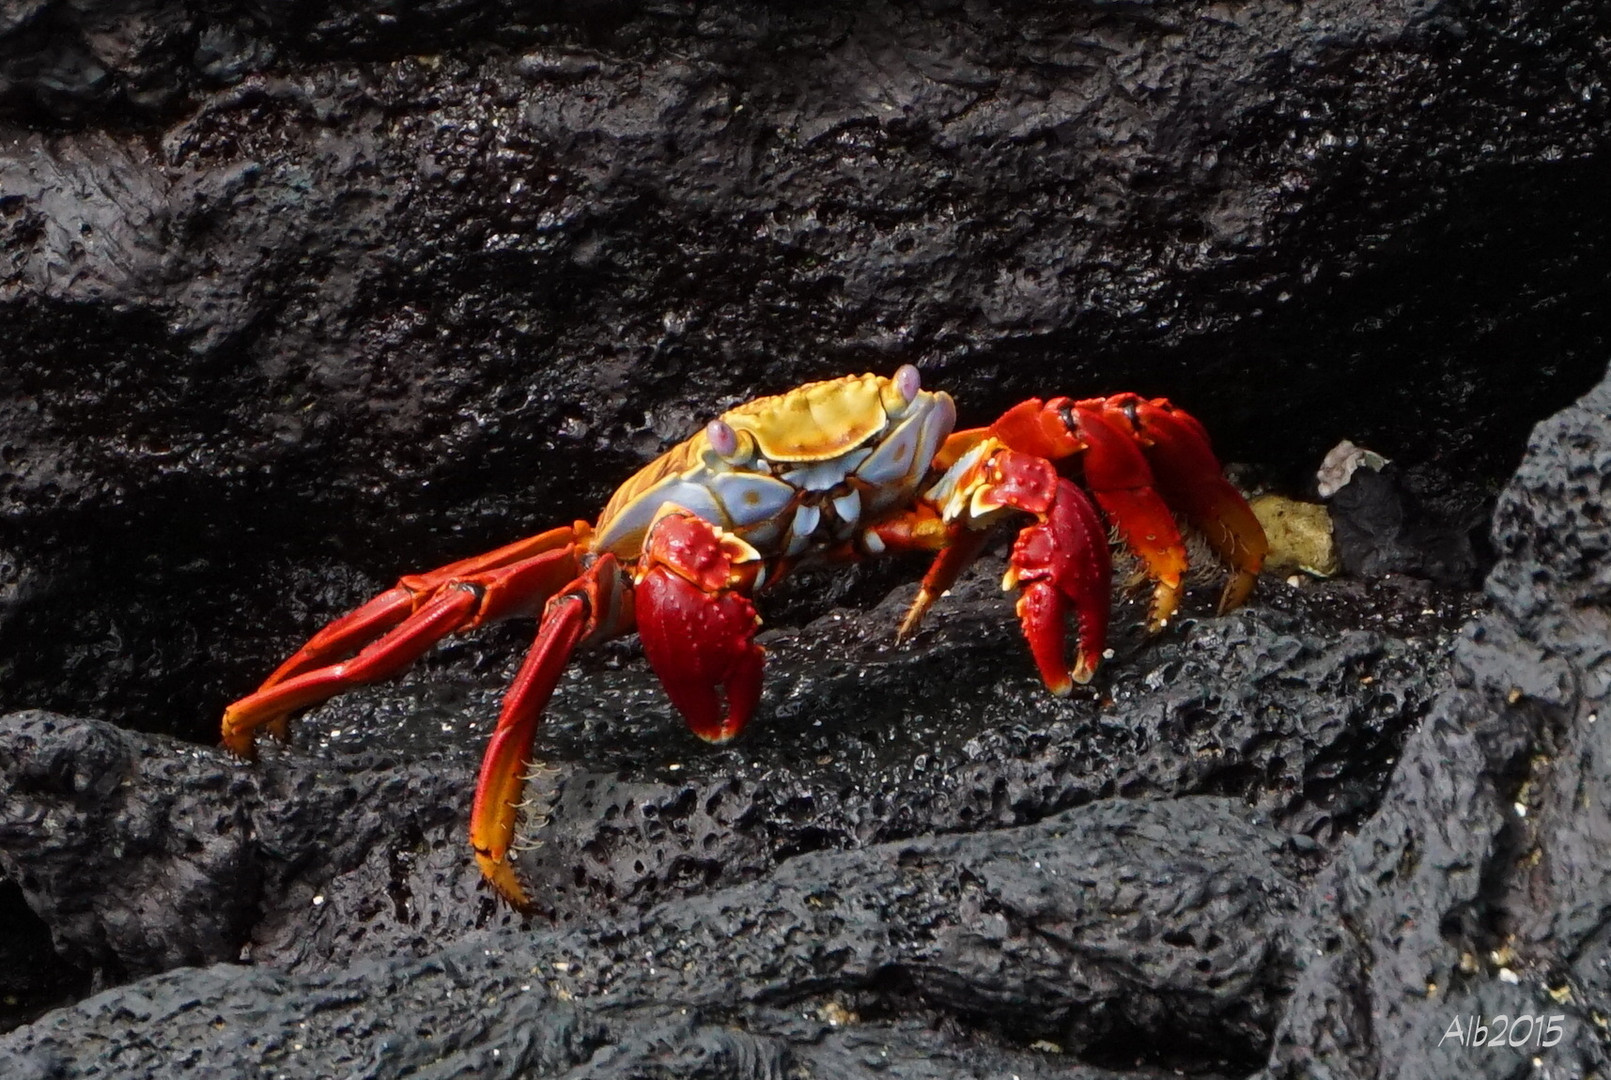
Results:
[299, 298]
[1170, 928]
[1112, 918]
[1293, 707]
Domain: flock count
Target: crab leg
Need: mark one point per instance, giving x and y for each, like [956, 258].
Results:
[1059, 564]
[399, 626]
[963, 547]
[597, 604]
[697, 628]
[1119, 478]
[359, 627]
[1190, 479]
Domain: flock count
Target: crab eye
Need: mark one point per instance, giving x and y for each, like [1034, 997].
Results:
[723, 439]
[908, 382]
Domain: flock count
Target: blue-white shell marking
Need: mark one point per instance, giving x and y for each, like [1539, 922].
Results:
[784, 506]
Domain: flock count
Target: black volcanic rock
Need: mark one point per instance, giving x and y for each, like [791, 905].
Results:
[296, 298]
[143, 854]
[1140, 933]
[1088, 928]
[1478, 888]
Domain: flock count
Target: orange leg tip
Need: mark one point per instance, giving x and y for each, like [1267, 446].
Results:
[242, 746]
[1165, 601]
[1084, 669]
[238, 737]
[914, 616]
[501, 875]
[1237, 589]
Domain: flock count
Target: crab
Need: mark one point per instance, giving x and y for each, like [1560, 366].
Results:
[848, 468]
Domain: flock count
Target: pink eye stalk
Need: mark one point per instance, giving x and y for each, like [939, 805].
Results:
[908, 382]
[723, 439]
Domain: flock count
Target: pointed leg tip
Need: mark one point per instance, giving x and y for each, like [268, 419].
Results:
[1165, 601]
[500, 873]
[1237, 589]
[1084, 670]
[245, 749]
[715, 736]
[914, 616]
[237, 738]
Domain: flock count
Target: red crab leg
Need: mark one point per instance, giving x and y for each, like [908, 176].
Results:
[389, 636]
[1118, 477]
[1060, 564]
[1191, 480]
[359, 627]
[598, 603]
[958, 554]
[698, 626]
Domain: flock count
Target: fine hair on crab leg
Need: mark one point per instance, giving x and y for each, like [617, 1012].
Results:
[594, 606]
[1190, 478]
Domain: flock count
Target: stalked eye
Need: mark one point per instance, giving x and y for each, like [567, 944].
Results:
[723, 439]
[908, 382]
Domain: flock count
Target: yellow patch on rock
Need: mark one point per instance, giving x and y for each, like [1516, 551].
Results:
[1299, 534]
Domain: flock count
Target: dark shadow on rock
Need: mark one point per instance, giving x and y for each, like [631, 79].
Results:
[1479, 888]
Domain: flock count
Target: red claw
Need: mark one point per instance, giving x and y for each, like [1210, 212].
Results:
[698, 627]
[1060, 563]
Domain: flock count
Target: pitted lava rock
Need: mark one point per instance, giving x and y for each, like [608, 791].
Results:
[1117, 918]
[146, 855]
[1479, 888]
[1130, 933]
[297, 298]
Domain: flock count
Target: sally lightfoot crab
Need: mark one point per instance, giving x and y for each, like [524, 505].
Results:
[843, 469]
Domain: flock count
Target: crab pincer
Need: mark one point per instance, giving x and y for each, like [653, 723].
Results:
[698, 626]
[1116, 472]
[1061, 566]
